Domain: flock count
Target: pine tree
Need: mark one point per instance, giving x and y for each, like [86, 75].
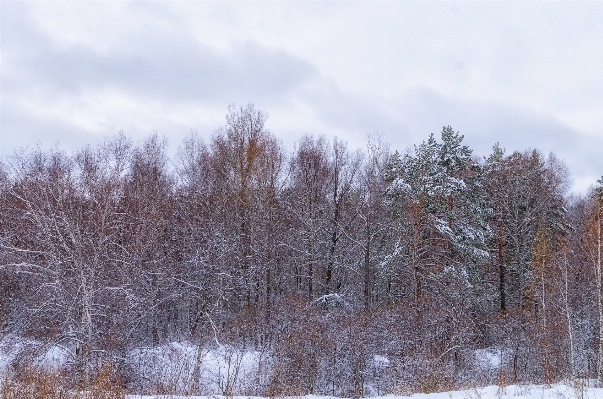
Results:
[437, 197]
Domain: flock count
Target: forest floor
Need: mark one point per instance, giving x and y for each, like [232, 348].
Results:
[173, 363]
[555, 391]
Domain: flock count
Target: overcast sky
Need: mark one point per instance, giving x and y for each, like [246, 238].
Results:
[525, 74]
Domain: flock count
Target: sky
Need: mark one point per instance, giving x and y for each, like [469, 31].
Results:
[524, 74]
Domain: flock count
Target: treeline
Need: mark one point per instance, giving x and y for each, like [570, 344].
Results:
[350, 269]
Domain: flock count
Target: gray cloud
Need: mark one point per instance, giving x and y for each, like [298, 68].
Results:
[158, 63]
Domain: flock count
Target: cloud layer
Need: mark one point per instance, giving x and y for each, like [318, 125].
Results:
[522, 74]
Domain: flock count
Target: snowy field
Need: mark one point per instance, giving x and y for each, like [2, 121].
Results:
[556, 391]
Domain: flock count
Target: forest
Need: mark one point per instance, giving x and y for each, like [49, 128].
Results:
[324, 270]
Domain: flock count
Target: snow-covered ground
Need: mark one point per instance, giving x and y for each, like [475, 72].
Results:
[222, 366]
[50, 357]
[556, 391]
[220, 369]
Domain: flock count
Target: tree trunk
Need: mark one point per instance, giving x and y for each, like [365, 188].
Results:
[544, 326]
[599, 295]
[568, 316]
[367, 268]
[501, 270]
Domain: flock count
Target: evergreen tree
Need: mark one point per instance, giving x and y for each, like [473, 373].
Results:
[437, 197]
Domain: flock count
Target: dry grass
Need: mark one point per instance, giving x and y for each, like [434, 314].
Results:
[35, 383]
